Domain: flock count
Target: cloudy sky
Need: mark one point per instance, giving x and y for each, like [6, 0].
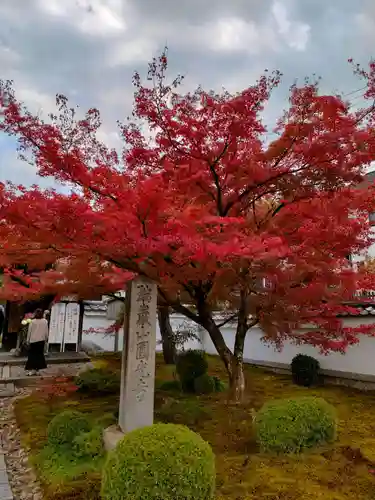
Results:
[88, 50]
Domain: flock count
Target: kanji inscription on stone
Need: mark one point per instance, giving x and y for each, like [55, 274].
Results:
[138, 370]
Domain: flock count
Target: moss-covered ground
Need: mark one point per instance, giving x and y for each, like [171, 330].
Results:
[343, 471]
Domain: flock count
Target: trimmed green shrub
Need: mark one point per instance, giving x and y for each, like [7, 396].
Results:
[205, 384]
[220, 385]
[65, 427]
[98, 381]
[160, 462]
[170, 385]
[88, 444]
[190, 365]
[186, 411]
[293, 425]
[305, 370]
[106, 420]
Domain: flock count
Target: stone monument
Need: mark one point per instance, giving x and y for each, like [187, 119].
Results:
[138, 361]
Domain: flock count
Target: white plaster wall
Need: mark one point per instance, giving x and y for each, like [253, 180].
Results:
[358, 359]
[177, 321]
[369, 252]
[99, 323]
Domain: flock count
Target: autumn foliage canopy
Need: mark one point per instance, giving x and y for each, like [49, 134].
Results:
[221, 212]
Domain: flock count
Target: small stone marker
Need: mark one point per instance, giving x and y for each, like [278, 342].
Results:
[138, 357]
[6, 386]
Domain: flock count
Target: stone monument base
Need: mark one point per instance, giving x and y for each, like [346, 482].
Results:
[111, 436]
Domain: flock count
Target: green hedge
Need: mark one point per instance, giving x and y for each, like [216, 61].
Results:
[205, 384]
[305, 370]
[89, 444]
[65, 427]
[98, 382]
[190, 365]
[160, 462]
[293, 425]
[170, 385]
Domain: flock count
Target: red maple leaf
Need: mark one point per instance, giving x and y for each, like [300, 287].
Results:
[217, 215]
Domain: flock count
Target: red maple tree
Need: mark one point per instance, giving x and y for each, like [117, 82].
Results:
[219, 214]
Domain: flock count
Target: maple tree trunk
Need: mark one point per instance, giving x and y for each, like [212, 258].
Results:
[233, 361]
[167, 337]
[236, 379]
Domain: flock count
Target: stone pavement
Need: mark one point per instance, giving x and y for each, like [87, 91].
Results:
[52, 357]
[18, 372]
[12, 372]
[5, 490]
[17, 479]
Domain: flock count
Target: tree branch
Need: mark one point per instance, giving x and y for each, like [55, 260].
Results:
[178, 307]
[228, 320]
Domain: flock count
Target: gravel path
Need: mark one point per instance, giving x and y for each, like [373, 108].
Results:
[22, 479]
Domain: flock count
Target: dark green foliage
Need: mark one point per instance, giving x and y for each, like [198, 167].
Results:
[98, 382]
[188, 411]
[89, 444]
[170, 385]
[64, 476]
[294, 425]
[65, 427]
[305, 370]
[160, 462]
[107, 420]
[220, 386]
[191, 365]
[205, 384]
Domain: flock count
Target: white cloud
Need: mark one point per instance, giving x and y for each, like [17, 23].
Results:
[366, 26]
[110, 138]
[233, 34]
[36, 101]
[8, 56]
[242, 79]
[88, 49]
[91, 17]
[131, 51]
[294, 33]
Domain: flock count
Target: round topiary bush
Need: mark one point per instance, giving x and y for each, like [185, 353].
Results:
[293, 425]
[305, 370]
[205, 384]
[89, 444]
[190, 365]
[65, 427]
[163, 461]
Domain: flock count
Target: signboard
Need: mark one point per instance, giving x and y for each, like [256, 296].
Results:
[57, 323]
[71, 323]
[64, 324]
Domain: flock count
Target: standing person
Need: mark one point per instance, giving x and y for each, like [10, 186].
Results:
[47, 316]
[36, 339]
